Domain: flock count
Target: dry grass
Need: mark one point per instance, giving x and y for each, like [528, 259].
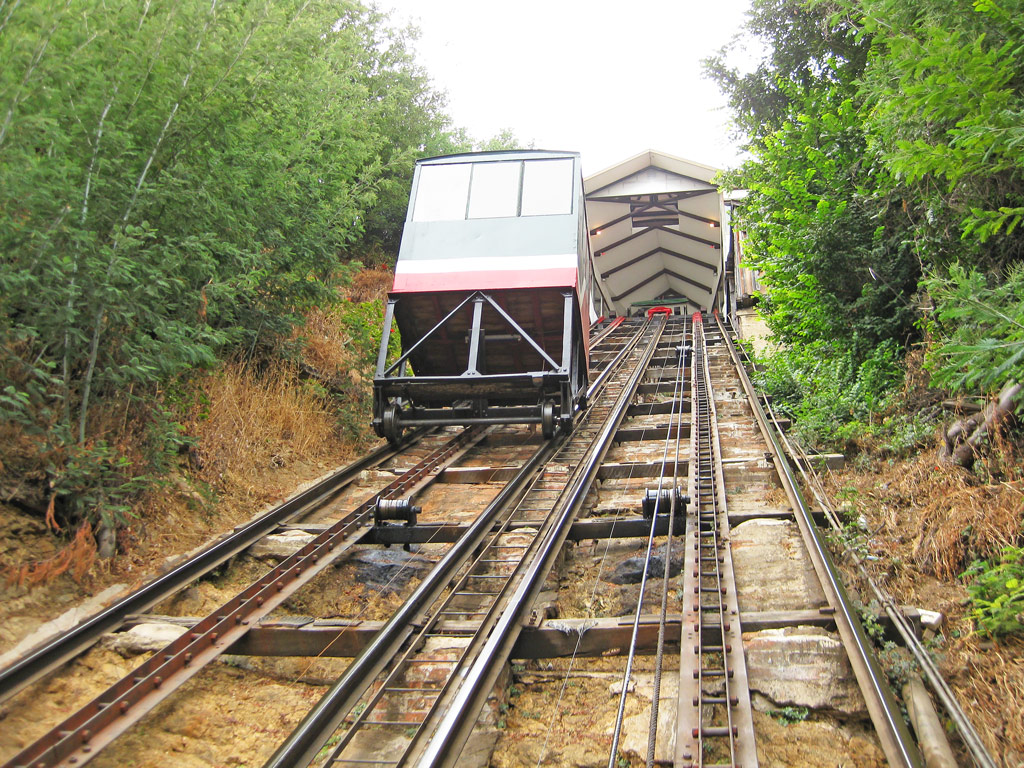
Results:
[254, 422]
[371, 284]
[956, 520]
[939, 517]
[927, 521]
[324, 348]
[75, 558]
[988, 680]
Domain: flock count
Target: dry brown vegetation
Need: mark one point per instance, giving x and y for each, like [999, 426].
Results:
[926, 522]
[258, 432]
[252, 422]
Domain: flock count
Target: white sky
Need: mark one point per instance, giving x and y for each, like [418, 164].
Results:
[607, 78]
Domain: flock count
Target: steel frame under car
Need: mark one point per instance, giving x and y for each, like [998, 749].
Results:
[547, 397]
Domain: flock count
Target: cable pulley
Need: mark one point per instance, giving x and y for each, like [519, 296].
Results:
[394, 509]
[662, 501]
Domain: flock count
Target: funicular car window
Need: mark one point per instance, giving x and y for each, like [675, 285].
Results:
[547, 187]
[494, 191]
[442, 191]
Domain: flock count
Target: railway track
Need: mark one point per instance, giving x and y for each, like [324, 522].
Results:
[671, 431]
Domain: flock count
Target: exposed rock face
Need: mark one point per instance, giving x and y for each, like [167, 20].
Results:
[279, 546]
[144, 638]
[815, 742]
[802, 667]
[388, 569]
[772, 569]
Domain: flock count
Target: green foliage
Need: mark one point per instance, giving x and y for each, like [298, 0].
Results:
[180, 182]
[790, 715]
[980, 324]
[503, 140]
[361, 323]
[886, 144]
[946, 91]
[997, 593]
[829, 396]
[816, 217]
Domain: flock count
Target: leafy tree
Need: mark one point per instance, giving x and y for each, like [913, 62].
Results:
[177, 182]
[885, 144]
[946, 94]
[979, 324]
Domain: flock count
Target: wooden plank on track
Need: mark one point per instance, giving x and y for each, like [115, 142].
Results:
[303, 636]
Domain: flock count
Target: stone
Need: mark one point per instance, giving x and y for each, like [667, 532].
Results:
[636, 728]
[821, 741]
[631, 570]
[773, 572]
[279, 546]
[615, 689]
[143, 638]
[388, 569]
[930, 619]
[802, 667]
[67, 620]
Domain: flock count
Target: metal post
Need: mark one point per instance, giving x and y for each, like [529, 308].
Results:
[567, 333]
[473, 369]
[382, 354]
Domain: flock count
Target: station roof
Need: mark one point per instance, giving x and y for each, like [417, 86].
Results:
[656, 231]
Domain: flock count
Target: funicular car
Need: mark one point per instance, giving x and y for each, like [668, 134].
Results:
[492, 295]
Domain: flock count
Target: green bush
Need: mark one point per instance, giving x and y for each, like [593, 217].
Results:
[831, 397]
[979, 324]
[997, 593]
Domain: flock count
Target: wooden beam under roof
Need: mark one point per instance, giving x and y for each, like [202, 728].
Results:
[695, 238]
[640, 198]
[653, 251]
[663, 272]
[628, 176]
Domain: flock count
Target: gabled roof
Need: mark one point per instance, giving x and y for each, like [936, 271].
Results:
[656, 230]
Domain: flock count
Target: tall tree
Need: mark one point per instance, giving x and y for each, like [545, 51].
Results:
[178, 180]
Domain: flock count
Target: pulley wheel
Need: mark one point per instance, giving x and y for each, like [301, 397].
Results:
[390, 424]
[547, 420]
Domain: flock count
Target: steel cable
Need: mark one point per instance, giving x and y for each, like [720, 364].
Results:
[652, 730]
[593, 595]
[617, 730]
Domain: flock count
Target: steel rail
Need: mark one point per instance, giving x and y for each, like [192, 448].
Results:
[52, 654]
[707, 543]
[603, 333]
[448, 739]
[977, 749]
[84, 733]
[485, 602]
[897, 743]
[975, 746]
[312, 733]
[321, 723]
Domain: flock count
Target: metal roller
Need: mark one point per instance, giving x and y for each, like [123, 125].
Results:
[651, 501]
[394, 509]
